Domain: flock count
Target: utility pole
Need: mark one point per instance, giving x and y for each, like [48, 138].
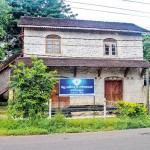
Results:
[147, 86]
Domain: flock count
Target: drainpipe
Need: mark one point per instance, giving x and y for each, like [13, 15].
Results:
[147, 87]
[50, 109]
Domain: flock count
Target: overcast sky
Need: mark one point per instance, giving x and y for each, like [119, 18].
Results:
[104, 16]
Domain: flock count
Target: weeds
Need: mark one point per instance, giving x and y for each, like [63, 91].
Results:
[59, 124]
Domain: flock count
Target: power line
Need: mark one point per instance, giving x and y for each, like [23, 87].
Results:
[137, 2]
[111, 12]
[109, 7]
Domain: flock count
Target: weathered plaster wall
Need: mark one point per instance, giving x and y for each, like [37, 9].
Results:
[133, 85]
[77, 44]
[4, 78]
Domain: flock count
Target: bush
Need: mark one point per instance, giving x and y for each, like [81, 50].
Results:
[130, 109]
[57, 123]
[32, 87]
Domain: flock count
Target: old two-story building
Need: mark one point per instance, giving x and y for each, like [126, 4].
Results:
[109, 52]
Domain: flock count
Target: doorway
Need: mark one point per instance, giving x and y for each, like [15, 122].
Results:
[113, 91]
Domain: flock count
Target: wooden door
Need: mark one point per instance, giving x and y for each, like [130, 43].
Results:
[113, 91]
[57, 101]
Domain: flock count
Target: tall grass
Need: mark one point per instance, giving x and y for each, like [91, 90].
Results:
[59, 124]
[3, 108]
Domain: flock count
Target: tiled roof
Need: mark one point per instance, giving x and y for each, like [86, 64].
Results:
[79, 24]
[88, 62]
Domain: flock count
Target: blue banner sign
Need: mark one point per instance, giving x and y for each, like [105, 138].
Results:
[76, 86]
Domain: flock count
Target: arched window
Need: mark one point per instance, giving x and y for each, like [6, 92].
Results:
[53, 44]
[110, 47]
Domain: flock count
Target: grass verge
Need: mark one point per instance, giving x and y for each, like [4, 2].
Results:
[59, 124]
[3, 109]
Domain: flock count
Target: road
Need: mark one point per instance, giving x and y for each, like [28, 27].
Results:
[136, 139]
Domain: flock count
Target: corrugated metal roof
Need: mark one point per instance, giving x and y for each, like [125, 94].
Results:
[88, 62]
[42, 22]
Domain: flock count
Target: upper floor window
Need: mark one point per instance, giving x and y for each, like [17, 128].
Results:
[53, 44]
[110, 47]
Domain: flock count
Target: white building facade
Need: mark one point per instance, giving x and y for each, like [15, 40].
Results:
[111, 53]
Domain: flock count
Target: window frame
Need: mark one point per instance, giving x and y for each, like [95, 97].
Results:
[110, 42]
[53, 38]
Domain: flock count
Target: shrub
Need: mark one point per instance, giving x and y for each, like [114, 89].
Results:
[130, 109]
[58, 120]
[32, 88]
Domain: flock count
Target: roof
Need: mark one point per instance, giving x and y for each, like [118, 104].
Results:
[8, 61]
[72, 24]
[88, 62]
[4, 90]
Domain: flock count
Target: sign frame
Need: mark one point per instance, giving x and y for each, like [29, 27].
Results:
[84, 94]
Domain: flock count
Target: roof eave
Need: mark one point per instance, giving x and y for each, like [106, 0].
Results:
[79, 28]
[103, 63]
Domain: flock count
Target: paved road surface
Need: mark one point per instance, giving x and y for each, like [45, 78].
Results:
[137, 139]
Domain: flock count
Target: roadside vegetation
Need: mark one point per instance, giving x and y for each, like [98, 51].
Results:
[3, 109]
[60, 124]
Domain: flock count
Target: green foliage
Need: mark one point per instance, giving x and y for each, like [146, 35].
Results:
[59, 124]
[35, 8]
[4, 17]
[2, 110]
[25, 131]
[19, 127]
[2, 53]
[32, 88]
[4, 21]
[132, 123]
[146, 46]
[130, 109]
[42, 8]
[58, 120]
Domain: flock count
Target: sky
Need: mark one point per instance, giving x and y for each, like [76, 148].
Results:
[98, 15]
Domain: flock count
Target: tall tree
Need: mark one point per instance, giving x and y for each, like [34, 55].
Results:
[4, 20]
[42, 8]
[35, 8]
[146, 46]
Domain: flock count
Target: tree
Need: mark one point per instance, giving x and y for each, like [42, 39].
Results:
[32, 88]
[4, 17]
[4, 21]
[35, 8]
[146, 46]
[42, 8]
[2, 53]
